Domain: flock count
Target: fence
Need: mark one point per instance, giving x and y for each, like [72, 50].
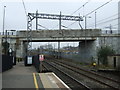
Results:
[36, 62]
[7, 62]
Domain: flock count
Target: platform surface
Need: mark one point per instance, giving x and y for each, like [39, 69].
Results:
[20, 77]
[50, 80]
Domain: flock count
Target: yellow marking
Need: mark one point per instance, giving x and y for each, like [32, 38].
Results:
[35, 81]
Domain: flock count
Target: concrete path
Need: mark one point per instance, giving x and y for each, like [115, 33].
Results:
[19, 77]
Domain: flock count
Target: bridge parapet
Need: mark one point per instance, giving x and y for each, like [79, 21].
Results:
[62, 33]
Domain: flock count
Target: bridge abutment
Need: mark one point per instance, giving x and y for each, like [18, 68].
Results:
[87, 51]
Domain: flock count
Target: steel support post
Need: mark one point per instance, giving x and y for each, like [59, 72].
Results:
[59, 41]
[29, 35]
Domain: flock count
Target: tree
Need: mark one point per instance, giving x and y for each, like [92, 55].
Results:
[5, 48]
[103, 52]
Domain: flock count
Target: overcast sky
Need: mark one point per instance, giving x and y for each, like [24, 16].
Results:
[15, 17]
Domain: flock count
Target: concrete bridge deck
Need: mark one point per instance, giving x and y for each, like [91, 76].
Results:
[60, 35]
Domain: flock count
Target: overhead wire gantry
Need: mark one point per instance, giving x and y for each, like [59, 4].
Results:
[32, 16]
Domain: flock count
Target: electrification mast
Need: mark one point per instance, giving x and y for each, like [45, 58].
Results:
[32, 16]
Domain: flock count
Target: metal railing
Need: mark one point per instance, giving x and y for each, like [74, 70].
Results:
[109, 31]
[9, 33]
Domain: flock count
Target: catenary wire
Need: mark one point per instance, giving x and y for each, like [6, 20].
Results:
[98, 8]
[91, 25]
[24, 8]
[92, 11]
[76, 11]
[106, 21]
[80, 7]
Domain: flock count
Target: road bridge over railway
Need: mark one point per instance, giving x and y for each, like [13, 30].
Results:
[61, 35]
[90, 40]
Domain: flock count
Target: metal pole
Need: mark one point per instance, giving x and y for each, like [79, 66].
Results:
[3, 19]
[85, 34]
[85, 31]
[59, 41]
[6, 36]
[6, 42]
[60, 22]
[36, 20]
[95, 20]
[85, 23]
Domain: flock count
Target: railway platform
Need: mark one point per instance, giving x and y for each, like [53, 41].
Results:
[21, 77]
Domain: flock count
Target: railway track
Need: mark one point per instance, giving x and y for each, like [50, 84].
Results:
[113, 84]
[91, 72]
[45, 69]
[69, 80]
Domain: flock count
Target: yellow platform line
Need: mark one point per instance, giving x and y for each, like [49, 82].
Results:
[35, 81]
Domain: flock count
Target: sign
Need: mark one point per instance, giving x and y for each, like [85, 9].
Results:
[29, 60]
[41, 57]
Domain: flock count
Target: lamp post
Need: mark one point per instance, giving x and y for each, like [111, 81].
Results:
[6, 44]
[4, 19]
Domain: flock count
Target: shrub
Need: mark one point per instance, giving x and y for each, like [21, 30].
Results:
[103, 52]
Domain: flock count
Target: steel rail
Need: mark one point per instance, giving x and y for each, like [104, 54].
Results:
[85, 86]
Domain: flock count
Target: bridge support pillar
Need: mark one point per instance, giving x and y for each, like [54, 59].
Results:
[21, 49]
[87, 51]
[118, 46]
[24, 49]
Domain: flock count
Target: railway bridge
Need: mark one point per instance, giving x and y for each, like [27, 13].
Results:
[88, 39]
